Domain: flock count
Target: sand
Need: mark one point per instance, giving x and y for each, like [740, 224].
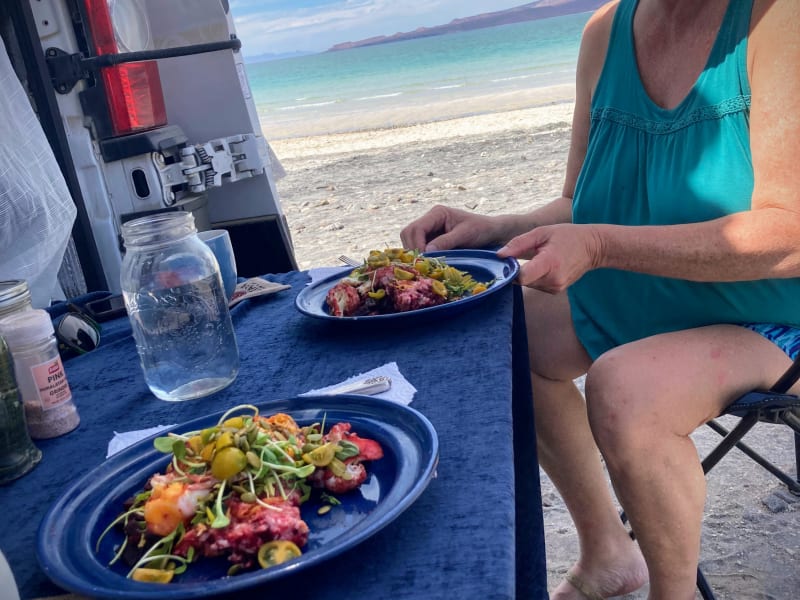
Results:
[348, 193]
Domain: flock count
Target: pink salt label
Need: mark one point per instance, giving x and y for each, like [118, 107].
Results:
[51, 381]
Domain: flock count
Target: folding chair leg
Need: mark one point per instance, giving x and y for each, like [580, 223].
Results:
[797, 456]
[703, 587]
[732, 437]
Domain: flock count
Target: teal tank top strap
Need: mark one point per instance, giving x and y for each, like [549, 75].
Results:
[731, 44]
[620, 58]
[727, 61]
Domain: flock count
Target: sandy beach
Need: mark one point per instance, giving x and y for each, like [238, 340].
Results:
[350, 192]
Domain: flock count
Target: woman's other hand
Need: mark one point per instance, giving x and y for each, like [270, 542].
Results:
[445, 228]
[558, 255]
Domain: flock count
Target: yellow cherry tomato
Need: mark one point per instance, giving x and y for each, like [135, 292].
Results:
[224, 440]
[277, 552]
[207, 453]
[478, 289]
[234, 422]
[322, 456]
[228, 462]
[195, 443]
[423, 266]
[403, 274]
[378, 260]
[438, 288]
[152, 575]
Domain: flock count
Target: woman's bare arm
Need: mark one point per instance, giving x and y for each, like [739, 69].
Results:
[755, 244]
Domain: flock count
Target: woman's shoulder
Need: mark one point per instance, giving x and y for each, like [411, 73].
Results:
[594, 43]
[774, 23]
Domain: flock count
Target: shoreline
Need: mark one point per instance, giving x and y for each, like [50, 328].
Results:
[399, 113]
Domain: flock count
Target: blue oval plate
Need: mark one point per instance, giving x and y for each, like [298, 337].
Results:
[483, 265]
[69, 531]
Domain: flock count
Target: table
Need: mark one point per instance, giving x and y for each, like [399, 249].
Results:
[476, 532]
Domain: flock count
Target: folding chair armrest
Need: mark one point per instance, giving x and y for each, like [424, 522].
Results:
[768, 403]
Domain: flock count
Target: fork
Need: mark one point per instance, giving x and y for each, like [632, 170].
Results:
[350, 261]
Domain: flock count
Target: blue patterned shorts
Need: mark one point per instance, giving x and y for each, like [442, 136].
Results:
[785, 337]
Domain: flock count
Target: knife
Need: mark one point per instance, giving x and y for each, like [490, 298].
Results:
[367, 387]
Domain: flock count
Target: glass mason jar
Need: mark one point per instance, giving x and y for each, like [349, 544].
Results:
[14, 297]
[18, 455]
[177, 308]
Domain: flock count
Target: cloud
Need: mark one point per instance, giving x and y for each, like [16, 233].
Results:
[272, 26]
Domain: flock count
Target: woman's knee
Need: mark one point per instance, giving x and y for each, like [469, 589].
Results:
[620, 407]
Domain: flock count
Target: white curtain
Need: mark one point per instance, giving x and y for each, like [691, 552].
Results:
[36, 211]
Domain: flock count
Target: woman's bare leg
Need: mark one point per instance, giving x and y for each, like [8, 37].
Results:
[609, 561]
[644, 400]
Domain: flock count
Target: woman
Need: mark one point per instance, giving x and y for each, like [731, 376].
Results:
[675, 241]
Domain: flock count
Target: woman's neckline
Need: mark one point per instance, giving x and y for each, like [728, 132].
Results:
[692, 91]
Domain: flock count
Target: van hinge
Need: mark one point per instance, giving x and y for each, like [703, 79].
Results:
[211, 164]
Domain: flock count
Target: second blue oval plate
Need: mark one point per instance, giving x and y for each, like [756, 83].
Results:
[483, 265]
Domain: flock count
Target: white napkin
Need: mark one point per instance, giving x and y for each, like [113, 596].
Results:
[401, 391]
[255, 286]
[120, 441]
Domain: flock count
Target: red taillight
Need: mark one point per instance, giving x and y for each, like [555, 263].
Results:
[135, 98]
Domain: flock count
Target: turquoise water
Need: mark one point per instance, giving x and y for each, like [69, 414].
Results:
[415, 73]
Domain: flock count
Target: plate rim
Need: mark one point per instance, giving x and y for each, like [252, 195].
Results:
[57, 570]
[458, 254]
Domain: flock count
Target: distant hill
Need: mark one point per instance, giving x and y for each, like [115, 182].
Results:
[542, 9]
[275, 56]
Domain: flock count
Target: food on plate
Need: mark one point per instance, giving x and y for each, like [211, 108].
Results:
[398, 280]
[235, 490]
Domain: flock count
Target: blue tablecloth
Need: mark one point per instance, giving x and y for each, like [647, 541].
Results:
[476, 532]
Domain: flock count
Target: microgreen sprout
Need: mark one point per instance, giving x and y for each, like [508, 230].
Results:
[220, 518]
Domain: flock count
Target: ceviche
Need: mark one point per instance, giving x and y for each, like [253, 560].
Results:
[398, 280]
[235, 490]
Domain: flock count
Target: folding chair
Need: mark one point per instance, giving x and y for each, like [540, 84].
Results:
[771, 406]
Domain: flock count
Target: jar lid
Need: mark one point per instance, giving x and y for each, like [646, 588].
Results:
[26, 327]
[13, 295]
[158, 228]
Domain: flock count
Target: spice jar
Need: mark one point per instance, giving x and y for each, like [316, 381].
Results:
[49, 410]
[177, 307]
[18, 455]
[14, 297]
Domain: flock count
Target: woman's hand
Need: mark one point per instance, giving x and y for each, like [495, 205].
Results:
[444, 228]
[558, 255]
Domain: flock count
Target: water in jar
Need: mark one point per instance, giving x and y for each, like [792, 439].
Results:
[185, 338]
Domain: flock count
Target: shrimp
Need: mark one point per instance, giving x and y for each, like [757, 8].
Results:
[173, 501]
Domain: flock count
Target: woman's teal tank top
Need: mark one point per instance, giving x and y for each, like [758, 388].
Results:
[649, 166]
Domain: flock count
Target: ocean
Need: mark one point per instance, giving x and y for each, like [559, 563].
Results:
[407, 82]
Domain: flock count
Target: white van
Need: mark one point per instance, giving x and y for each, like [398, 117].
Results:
[147, 107]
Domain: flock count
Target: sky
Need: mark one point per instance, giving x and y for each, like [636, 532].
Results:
[286, 26]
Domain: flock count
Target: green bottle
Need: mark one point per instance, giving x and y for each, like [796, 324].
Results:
[18, 455]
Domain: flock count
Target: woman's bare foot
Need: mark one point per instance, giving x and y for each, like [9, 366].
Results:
[605, 576]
